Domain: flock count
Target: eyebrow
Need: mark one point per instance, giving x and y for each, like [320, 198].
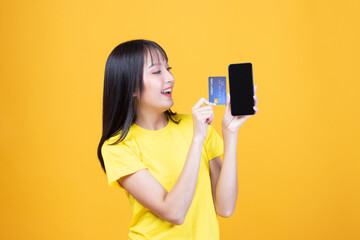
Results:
[153, 64]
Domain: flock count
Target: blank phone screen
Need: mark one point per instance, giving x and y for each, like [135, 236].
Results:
[241, 89]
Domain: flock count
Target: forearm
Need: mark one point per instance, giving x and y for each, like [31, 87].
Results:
[227, 187]
[171, 206]
[179, 198]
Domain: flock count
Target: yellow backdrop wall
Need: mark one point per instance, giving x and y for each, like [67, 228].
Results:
[298, 158]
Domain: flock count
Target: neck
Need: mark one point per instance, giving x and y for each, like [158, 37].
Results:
[151, 120]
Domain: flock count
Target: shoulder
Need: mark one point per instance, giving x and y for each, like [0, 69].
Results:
[114, 144]
[181, 121]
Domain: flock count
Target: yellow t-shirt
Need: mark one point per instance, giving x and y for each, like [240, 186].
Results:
[163, 153]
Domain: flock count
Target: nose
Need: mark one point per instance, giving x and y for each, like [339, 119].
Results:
[169, 77]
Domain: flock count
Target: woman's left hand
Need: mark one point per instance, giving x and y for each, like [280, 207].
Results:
[233, 123]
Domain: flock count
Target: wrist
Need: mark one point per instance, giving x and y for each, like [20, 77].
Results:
[198, 139]
[229, 132]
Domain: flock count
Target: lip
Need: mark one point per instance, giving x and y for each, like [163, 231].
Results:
[167, 88]
[167, 94]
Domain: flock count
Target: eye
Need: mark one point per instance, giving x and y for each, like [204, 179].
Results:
[157, 72]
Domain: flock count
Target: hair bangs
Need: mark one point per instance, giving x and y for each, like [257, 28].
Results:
[156, 53]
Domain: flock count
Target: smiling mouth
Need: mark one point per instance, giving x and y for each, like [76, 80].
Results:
[166, 91]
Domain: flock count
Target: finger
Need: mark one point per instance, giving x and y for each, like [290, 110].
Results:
[205, 108]
[202, 111]
[205, 120]
[255, 88]
[228, 99]
[256, 100]
[210, 104]
[209, 121]
[205, 114]
[203, 101]
[256, 109]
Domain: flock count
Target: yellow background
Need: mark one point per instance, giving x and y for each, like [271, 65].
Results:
[298, 158]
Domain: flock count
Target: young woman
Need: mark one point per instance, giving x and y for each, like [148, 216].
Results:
[168, 164]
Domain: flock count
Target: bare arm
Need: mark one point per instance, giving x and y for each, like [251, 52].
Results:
[224, 179]
[224, 175]
[172, 206]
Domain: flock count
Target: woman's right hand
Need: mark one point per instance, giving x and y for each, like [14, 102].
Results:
[202, 118]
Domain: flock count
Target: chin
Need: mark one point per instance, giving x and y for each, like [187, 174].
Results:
[168, 106]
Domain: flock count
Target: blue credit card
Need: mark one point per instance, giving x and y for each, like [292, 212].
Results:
[217, 90]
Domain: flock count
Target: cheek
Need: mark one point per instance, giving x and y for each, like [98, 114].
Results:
[146, 83]
[147, 86]
[151, 83]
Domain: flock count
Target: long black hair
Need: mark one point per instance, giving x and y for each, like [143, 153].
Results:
[124, 76]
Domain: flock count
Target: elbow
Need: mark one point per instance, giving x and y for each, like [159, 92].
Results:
[225, 214]
[176, 221]
[176, 218]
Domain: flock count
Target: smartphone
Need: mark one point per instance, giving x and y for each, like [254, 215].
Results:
[241, 89]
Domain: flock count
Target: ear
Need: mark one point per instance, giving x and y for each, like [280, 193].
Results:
[135, 93]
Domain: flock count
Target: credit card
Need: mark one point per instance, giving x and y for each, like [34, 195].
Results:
[217, 90]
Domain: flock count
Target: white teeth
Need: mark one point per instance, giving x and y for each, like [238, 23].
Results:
[166, 91]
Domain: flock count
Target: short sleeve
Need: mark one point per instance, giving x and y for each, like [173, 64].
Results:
[214, 144]
[120, 160]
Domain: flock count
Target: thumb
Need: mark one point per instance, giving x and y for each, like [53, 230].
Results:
[228, 100]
